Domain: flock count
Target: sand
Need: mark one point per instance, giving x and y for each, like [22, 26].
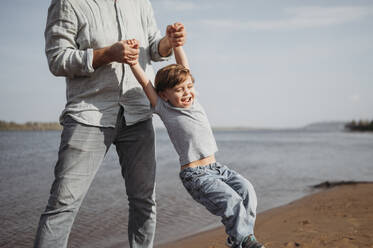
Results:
[340, 216]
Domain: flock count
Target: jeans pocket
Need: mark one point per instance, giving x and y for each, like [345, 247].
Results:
[189, 178]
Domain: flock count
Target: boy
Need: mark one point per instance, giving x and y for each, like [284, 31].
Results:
[222, 191]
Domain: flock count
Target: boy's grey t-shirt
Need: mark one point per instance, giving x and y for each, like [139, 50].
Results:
[189, 130]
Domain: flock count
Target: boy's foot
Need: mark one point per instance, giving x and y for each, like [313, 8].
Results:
[251, 242]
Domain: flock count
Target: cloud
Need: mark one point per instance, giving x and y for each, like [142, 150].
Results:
[299, 18]
[177, 5]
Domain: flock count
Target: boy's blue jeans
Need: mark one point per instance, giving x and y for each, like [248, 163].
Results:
[224, 193]
[81, 152]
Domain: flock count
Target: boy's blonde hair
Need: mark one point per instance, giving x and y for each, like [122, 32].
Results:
[171, 75]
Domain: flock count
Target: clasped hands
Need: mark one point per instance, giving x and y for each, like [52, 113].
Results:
[127, 51]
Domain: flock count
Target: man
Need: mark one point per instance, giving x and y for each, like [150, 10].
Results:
[86, 43]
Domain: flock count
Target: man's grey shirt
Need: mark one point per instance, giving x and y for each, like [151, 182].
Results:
[76, 27]
[189, 130]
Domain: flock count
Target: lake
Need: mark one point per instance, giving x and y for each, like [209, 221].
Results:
[281, 164]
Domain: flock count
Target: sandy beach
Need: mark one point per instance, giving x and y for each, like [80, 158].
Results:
[339, 216]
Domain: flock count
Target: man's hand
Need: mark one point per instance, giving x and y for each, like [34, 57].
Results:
[121, 52]
[176, 34]
[125, 51]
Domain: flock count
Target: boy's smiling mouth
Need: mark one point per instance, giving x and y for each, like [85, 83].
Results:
[187, 100]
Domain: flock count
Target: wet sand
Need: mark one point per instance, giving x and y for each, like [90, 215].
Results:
[340, 216]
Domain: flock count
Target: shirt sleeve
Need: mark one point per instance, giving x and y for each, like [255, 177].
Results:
[159, 107]
[154, 35]
[63, 55]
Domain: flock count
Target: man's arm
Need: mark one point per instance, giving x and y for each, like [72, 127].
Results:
[64, 56]
[161, 48]
[121, 52]
[164, 47]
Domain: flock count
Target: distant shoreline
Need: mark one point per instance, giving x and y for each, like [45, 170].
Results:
[318, 126]
[30, 126]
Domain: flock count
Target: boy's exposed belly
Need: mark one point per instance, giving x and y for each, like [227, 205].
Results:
[202, 162]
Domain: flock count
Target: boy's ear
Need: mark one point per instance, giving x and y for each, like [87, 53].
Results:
[163, 96]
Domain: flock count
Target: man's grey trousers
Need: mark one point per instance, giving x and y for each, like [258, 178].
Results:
[81, 153]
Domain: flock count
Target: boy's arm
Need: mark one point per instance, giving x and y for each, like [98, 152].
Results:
[145, 83]
[181, 57]
[140, 75]
[175, 32]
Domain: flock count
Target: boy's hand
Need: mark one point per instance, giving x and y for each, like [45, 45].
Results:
[176, 34]
[134, 44]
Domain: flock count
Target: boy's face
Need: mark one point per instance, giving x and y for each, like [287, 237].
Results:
[181, 95]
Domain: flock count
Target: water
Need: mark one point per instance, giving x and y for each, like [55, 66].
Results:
[281, 164]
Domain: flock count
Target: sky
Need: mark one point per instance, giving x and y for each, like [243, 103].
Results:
[264, 63]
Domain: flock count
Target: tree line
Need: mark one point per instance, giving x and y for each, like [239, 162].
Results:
[361, 125]
[29, 126]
